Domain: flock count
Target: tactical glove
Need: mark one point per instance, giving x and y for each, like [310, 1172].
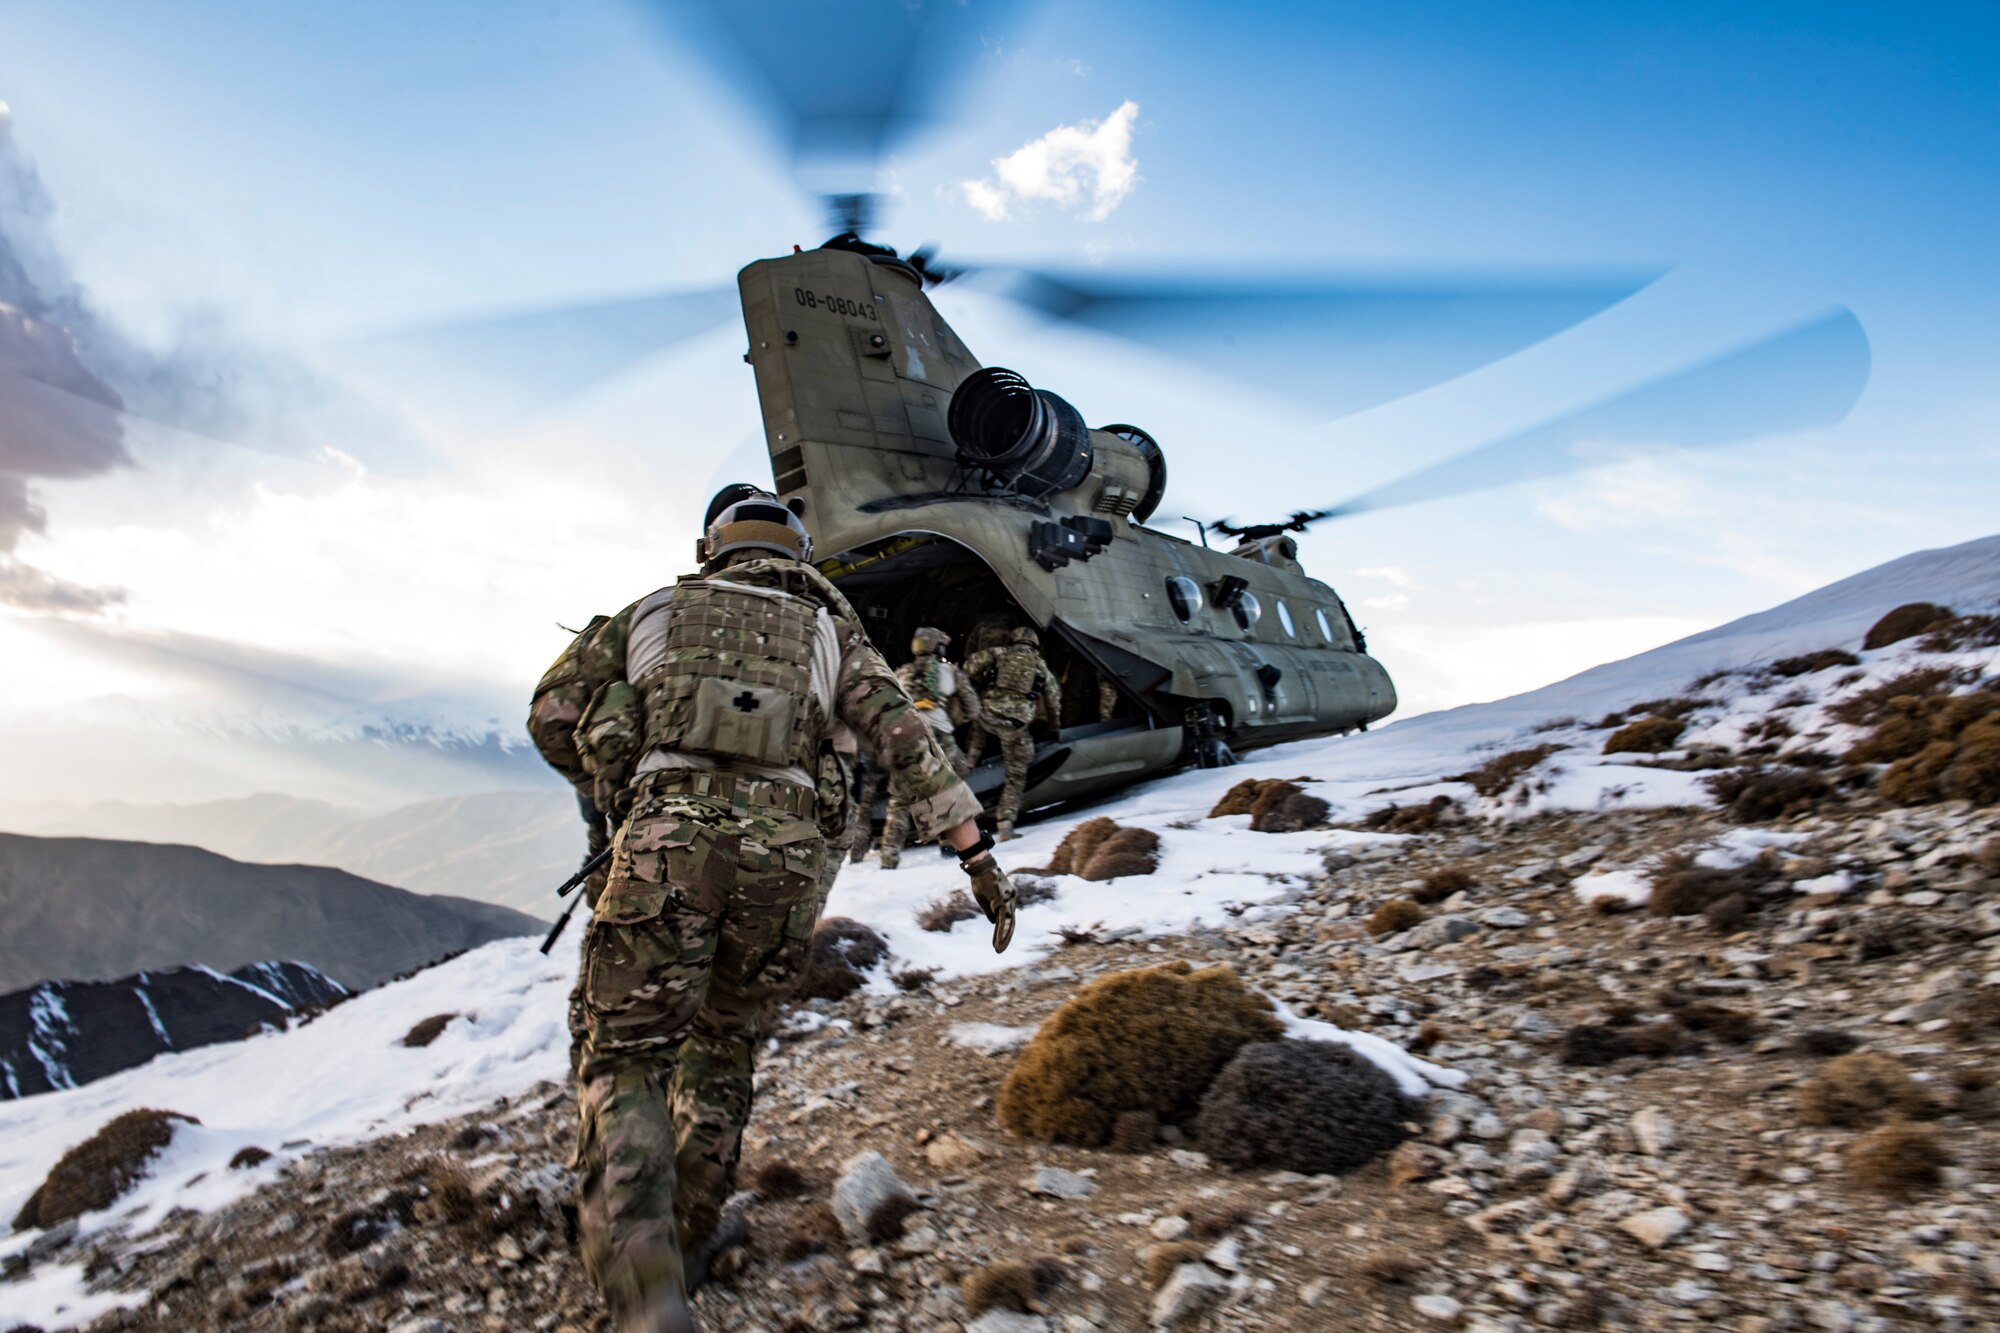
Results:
[995, 894]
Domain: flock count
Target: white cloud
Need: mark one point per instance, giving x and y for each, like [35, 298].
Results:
[1393, 575]
[1087, 166]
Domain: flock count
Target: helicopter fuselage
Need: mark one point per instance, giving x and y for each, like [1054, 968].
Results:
[1169, 651]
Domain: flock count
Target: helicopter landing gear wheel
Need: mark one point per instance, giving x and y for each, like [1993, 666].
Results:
[1212, 753]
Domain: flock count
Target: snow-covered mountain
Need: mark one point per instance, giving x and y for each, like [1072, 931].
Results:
[346, 1077]
[63, 1034]
[83, 909]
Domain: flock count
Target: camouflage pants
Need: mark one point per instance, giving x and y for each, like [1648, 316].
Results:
[1017, 751]
[864, 811]
[705, 923]
[896, 824]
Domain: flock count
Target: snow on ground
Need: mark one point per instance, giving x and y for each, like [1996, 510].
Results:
[342, 1078]
[345, 1076]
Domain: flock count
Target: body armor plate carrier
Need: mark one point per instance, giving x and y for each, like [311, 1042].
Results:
[736, 680]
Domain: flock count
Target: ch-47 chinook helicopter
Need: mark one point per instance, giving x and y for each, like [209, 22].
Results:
[950, 493]
[943, 490]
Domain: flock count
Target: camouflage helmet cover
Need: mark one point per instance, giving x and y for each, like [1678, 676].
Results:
[929, 639]
[1025, 634]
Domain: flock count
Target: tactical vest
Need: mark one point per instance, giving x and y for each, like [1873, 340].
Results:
[735, 683]
[1018, 672]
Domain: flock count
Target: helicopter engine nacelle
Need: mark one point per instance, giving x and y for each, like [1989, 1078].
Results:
[1025, 440]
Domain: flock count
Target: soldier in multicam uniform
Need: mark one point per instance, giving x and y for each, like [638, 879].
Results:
[1016, 686]
[944, 695]
[710, 711]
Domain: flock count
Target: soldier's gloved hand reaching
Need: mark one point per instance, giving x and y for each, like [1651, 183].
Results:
[991, 888]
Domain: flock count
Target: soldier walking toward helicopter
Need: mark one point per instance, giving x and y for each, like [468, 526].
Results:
[1016, 686]
[945, 697]
[711, 713]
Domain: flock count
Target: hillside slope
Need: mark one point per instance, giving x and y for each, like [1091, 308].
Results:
[85, 909]
[504, 847]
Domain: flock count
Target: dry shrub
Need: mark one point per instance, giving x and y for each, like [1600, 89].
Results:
[1661, 1039]
[1078, 844]
[1101, 849]
[1398, 914]
[1759, 795]
[1128, 851]
[944, 913]
[1649, 735]
[1429, 1034]
[1726, 916]
[428, 1030]
[885, 1220]
[1905, 622]
[1134, 1131]
[1959, 759]
[1213, 1221]
[1771, 729]
[1411, 818]
[1898, 1158]
[817, 1232]
[1860, 1089]
[1390, 1268]
[94, 1173]
[249, 1157]
[1708, 1018]
[1162, 1260]
[1003, 1286]
[1675, 709]
[914, 978]
[1961, 633]
[1029, 891]
[1807, 663]
[1683, 887]
[1151, 1039]
[842, 949]
[1309, 1106]
[781, 1180]
[1594, 1044]
[1870, 707]
[1497, 774]
[1240, 799]
[1825, 1041]
[1285, 807]
[1442, 884]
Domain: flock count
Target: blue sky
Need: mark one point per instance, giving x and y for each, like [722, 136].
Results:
[298, 174]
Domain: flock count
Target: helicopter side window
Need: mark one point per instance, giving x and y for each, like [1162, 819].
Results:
[1248, 609]
[1325, 625]
[1284, 617]
[1184, 595]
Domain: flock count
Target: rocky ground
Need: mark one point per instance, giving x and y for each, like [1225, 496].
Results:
[1684, 1186]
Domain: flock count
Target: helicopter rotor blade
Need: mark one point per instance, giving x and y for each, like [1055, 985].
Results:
[1806, 377]
[1342, 344]
[842, 86]
[537, 357]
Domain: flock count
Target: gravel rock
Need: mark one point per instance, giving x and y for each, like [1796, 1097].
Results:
[1008, 1321]
[1060, 1184]
[1655, 1227]
[1441, 1308]
[1193, 1290]
[867, 1181]
[1654, 1132]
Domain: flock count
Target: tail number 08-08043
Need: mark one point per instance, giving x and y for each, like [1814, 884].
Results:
[839, 305]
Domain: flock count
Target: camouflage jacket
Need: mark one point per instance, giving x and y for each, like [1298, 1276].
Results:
[941, 691]
[570, 706]
[1015, 683]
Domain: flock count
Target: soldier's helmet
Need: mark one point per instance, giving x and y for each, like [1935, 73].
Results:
[1025, 634]
[753, 522]
[929, 640]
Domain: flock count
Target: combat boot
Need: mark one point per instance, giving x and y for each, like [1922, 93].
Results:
[859, 853]
[889, 860]
[1004, 831]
